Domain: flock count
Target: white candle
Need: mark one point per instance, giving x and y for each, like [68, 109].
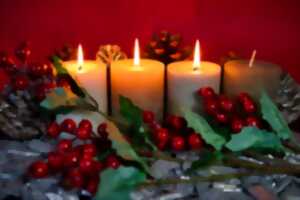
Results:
[252, 76]
[141, 80]
[90, 75]
[186, 77]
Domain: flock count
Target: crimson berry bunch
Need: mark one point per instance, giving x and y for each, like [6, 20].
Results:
[77, 164]
[173, 134]
[235, 113]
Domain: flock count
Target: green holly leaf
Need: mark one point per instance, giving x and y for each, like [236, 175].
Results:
[58, 66]
[62, 100]
[252, 137]
[130, 112]
[118, 184]
[200, 125]
[273, 116]
[123, 147]
[206, 159]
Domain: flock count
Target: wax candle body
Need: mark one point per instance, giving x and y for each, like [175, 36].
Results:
[239, 77]
[92, 77]
[183, 82]
[143, 84]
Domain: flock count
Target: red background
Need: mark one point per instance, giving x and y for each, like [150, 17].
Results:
[270, 26]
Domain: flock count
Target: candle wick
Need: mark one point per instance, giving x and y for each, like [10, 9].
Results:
[79, 67]
[252, 58]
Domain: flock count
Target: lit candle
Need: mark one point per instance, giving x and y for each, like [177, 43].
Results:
[186, 77]
[90, 75]
[141, 80]
[251, 76]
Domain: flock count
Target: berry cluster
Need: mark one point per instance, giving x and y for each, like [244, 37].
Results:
[77, 164]
[173, 134]
[235, 113]
[36, 78]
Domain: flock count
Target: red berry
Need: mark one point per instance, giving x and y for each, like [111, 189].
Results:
[237, 125]
[55, 160]
[98, 167]
[38, 169]
[90, 150]
[71, 159]
[63, 83]
[244, 97]
[83, 133]
[206, 92]
[195, 141]
[253, 121]
[53, 130]
[249, 106]
[226, 104]
[21, 82]
[162, 135]
[148, 116]
[86, 165]
[211, 106]
[75, 178]
[68, 125]
[92, 185]
[102, 128]
[176, 122]
[221, 118]
[64, 145]
[178, 143]
[86, 124]
[154, 126]
[112, 161]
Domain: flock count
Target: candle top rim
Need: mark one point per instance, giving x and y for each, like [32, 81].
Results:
[143, 63]
[88, 65]
[245, 62]
[186, 67]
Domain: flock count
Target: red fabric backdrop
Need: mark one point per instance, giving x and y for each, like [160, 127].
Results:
[270, 26]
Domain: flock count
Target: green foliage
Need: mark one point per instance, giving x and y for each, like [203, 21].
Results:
[273, 116]
[252, 137]
[206, 159]
[200, 125]
[123, 147]
[130, 112]
[118, 184]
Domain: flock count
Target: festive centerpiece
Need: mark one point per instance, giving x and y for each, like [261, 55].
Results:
[59, 142]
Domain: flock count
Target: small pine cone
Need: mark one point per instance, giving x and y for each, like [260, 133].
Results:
[109, 53]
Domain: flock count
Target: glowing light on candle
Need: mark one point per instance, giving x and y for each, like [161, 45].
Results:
[80, 60]
[252, 58]
[136, 57]
[197, 62]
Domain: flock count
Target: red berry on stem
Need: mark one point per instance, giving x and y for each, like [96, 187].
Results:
[68, 125]
[112, 161]
[102, 128]
[176, 122]
[71, 159]
[64, 145]
[162, 135]
[221, 118]
[253, 121]
[38, 169]
[206, 92]
[53, 130]
[211, 106]
[21, 82]
[90, 150]
[75, 178]
[249, 106]
[86, 165]
[195, 141]
[226, 104]
[148, 116]
[83, 133]
[55, 160]
[86, 124]
[237, 125]
[244, 97]
[178, 143]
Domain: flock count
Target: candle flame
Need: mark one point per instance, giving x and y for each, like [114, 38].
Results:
[136, 57]
[197, 62]
[252, 58]
[80, 57]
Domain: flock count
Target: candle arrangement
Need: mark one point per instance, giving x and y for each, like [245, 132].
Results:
[113, 156]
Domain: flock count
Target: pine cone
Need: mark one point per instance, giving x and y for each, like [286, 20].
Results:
[108, 53]
[166, 47]
[288, 98]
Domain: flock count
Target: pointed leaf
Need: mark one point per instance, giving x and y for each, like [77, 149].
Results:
[273, 116]
[252, 137]
[130, 112]
[200, 125]
[118, 184]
